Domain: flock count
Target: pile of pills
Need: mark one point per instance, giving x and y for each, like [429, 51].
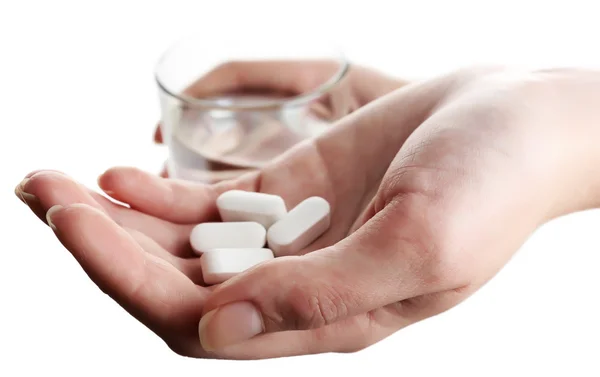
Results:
[255, 228]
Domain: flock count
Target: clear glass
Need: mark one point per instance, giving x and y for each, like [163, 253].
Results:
[217, 127]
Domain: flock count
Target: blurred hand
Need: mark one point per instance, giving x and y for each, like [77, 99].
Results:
[359, 86]
[433, 187]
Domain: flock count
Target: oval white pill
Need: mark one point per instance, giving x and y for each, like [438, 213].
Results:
[208, 236]
[300, 227]
[218, 265]
[238, 205]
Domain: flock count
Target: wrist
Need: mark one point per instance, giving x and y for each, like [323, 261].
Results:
[571, 109]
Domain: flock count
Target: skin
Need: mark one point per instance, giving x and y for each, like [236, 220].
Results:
[433, 186]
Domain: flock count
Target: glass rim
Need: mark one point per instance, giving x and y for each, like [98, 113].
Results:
[220, 104]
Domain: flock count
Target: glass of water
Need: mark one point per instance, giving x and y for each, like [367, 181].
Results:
[229, 108]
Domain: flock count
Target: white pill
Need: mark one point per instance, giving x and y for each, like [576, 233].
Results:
[208, 236]
[219, 265]
[300, 227]
[238, 205]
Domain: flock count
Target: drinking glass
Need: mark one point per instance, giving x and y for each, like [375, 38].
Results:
[216, 126]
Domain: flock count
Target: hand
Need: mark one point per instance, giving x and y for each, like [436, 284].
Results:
[433, 188]
[140, 256]
[360, 85]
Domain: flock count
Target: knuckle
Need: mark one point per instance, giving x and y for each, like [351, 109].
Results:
[315, 306]
[304, 302]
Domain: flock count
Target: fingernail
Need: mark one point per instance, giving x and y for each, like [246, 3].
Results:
[229, 325]
[25, 197]
[50, 213]
[21, 185]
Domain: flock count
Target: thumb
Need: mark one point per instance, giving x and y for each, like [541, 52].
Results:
[383, 262]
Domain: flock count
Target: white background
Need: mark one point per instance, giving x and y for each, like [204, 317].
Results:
[77, 94]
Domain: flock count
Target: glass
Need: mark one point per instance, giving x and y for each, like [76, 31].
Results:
[217, 126]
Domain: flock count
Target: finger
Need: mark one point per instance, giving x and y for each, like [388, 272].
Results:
[169, 199]
[284, 76]
[388, 260]
[164, 173]
[350, 335]
[44, 189]
[172, 237]
[149, 288]
[48, 188]
[158, 135]
[189, 267]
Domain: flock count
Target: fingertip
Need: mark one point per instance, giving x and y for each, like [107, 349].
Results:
[43, 182]
[164, 173]
[172, 200]
[104, 180]
[122, 170]
[51, 213]
[117, 177]
[158, 139]
[229, 325]
[106, 177]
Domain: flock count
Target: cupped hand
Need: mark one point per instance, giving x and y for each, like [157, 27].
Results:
[139, 253]
[433, 188]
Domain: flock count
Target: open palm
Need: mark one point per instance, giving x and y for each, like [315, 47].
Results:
[414, 179]
[140, 255]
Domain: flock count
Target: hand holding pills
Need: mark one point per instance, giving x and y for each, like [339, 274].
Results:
[399, 212]
[229, 248]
